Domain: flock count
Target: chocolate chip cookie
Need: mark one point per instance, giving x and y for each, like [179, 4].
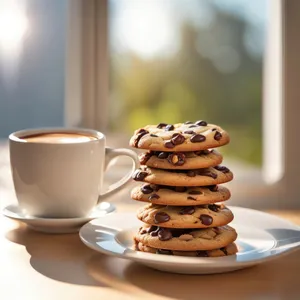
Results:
[210, 215]
[197, 177]
[181, 160]
[180, 195]
[186, 239]
[188, 136]
[230, 249]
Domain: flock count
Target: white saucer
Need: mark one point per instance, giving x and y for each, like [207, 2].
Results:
[261, 237]
[59, 225]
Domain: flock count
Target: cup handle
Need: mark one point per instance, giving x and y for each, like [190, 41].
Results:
[115, 187]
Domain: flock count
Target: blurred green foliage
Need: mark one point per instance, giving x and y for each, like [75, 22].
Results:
[188, 86]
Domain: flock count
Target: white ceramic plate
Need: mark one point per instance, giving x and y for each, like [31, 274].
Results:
[261, 237]
[56, 225]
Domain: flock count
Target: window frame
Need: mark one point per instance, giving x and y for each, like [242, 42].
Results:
[275, 186]
[87, 72]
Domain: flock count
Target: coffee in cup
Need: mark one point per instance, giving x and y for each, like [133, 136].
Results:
[58, 138]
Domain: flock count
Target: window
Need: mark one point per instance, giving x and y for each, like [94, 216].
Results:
[130, 63]
[175, 60]
[185, 60]
[32, 59]
[276, 28]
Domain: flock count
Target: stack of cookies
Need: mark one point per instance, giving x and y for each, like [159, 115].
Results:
[182, 176]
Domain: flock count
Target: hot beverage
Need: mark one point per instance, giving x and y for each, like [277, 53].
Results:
[58, 138]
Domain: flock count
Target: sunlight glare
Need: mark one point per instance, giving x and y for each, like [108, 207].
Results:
[145, 28]
[13, 29]
[13, 26]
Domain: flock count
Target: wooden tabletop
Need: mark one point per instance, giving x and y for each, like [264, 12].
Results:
[42, 266]
[38, 266]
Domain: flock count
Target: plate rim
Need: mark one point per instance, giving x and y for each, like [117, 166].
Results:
[211, 262]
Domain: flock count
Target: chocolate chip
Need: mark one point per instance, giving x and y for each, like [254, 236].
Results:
[164, 234]
[143, 231]
[155, 187]
[162, 155]
[195, 192]
[153, 196]
[218, 136]
[152, 228]
[191, 173]
[179, 232]
[142, 130]
[139, 135]
[169, 127]
[214, 129]
[197, 138]
[169, 144]
[208, 174]
[217, 230]
[205, 152]
[161, 125]
[213, 188]
[163, 251]
[176, 159]
[161, 217]
[191, 198]
[154, 231]
[214, 207]
[222, 169]
[202, 253]
[153, 135]
[180, 189]
[175, 134]
[192, 126]
[188, 210]
[224, 250]
[146, 189]
[189, 132]
[139, 175]
[144, 157]
[188, 122]
[201, 123]
[178, 139]
[206, 219]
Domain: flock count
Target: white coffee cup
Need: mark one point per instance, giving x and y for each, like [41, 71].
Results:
[58, 172]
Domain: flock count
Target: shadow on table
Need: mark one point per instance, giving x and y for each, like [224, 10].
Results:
[60, 257]
[275, 279]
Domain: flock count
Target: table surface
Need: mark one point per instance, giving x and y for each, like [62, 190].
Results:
[42, 266]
